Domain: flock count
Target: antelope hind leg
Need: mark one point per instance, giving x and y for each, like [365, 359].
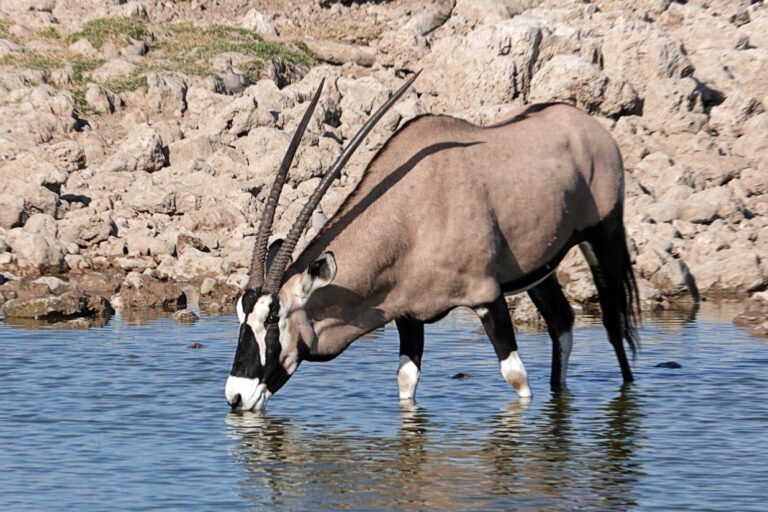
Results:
[557, 312]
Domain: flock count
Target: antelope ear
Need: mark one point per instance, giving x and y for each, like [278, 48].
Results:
[319, 273]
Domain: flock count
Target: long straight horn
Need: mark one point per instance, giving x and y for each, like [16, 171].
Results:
[265, 227]
[275, 275]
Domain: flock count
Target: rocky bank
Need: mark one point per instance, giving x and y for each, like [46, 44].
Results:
[138, 139]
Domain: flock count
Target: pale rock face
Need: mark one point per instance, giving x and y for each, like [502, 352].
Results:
[35, 253]
[43, 224]
[259, 23]
[575, 80]
[11, 210]
[84, 229]
[681, 89]
[112, 69]
[642, 52]
[141, 151]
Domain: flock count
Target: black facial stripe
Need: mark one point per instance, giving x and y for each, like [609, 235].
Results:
[275, 373]
[247, 359]
[249, 300]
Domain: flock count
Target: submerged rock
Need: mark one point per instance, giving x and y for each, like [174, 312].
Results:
[184, 316]
[669, 364]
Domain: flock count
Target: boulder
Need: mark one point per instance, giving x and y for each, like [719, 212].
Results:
[113, 69]
[36, 253]
[42, 224]
[148, 245]
[141, 151]
[184, 316]
[56, 307]
[100, 99]
[643, 52]
[143, 291]
[259, 23]
[575, 80]
[187, 154]
[85, 229]
[144, 196]
[729, 270]
[673, 105]
[674, 279]
[11, 211]
[193, 265]
[166, 94]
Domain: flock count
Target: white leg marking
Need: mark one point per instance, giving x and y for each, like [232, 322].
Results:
[566, 343]
[514, 373]
[407, 378]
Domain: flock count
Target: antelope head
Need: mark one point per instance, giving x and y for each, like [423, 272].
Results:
[273, 324]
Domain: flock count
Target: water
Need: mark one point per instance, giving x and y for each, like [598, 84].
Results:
[127, 417]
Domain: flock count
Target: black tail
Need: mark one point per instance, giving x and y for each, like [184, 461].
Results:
[630, 305]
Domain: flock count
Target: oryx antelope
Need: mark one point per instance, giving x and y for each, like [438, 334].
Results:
[447, 214]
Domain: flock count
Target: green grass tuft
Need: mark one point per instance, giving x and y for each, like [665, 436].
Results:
[131, 83]
[83, 65]
[118, 30]
[81, 105]
[49, 33]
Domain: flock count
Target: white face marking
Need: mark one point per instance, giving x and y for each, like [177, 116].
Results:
[240, 312]
[514, 373]
[256, 320]
[566, 343]
[253, 394]
[407, 378]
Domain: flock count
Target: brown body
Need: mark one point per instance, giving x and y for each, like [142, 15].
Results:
[450, 214]
[447, 214]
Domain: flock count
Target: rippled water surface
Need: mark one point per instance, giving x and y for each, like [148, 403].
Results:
[127, 417]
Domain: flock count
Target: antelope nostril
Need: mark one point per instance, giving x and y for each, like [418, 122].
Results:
[236, 401]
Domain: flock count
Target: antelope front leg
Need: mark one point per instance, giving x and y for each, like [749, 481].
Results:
[411, 348]
[498, 327]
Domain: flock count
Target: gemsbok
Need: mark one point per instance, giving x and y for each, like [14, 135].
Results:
[447, 214]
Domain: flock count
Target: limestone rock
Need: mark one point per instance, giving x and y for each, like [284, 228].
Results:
[35, 253]
[166, 94]
[184, 316]
[142, 291]
[145, 197]
[11, 211]
[112, 69]
[674, 279]
[673, 105]
[85, 229]
[42, 224]
[101, 99]
[259, 23]
[56, 307]
[141, 151]
[573, 79]
[642, 52]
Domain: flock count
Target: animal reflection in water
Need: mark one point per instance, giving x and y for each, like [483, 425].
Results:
[535, 455]
[447, 214]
